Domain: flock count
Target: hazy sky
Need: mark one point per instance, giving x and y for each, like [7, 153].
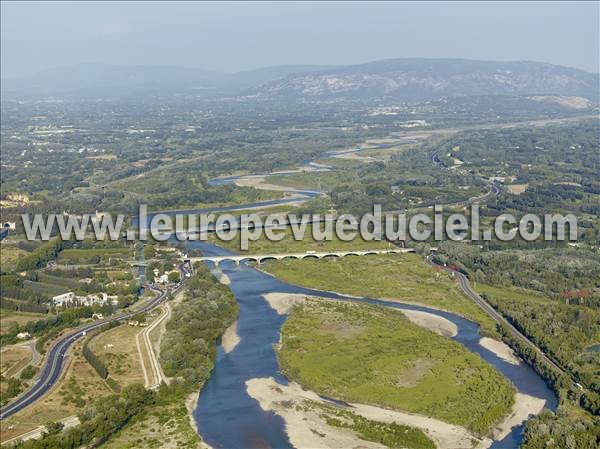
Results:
[240, 36]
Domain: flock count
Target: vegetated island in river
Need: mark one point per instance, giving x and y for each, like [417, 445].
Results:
[406, 386]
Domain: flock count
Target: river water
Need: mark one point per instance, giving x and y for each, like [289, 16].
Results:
[228, 418]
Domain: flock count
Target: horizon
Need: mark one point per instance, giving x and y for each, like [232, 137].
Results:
[235, 37]
[299, 65]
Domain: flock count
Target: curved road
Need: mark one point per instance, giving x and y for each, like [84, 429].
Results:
[55, 361]
[463, 283]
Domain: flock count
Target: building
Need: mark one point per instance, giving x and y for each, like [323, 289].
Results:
[69, 299]
[23, 336]
[63, 300]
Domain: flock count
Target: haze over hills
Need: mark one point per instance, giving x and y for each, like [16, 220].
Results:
[402, 79]
[106, 79]
[417, 79]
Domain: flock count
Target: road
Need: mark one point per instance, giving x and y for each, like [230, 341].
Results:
[55, 361]
[463, 283]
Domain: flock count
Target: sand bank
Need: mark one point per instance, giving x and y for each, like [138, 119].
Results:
[306, 429]
[230, 338]
[222, 277]
[501, 349]
[525, 407]
[191, 402]
[282, 303]
[437, 324]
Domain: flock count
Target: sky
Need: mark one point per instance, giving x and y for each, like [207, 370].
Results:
[234, 36]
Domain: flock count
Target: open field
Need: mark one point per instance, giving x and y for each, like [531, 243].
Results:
[324, 180]
[289, 244]
[10, 318]
[402, 277]
[13, 358]
[10, 255]
[80, 386]
[86, 253]
[44, 288]
[165, 425]
[371, 355]
[117, 349]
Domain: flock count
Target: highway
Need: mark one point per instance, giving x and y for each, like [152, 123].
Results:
[55, 361]
[463, 283]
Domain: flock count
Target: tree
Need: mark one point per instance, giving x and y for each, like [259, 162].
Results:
[53, 427]
[174, 277]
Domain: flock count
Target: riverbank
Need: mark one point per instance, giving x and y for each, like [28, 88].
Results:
[434, 323]
[283, 303]
[230, 338]
[307, 428]
[369, 354]
[445, 435]
[501, 349]
[403, 278]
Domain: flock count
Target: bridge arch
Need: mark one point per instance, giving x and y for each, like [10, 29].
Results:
[332, 256]
[370, 253]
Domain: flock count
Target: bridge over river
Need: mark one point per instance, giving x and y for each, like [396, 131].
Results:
[308, 254]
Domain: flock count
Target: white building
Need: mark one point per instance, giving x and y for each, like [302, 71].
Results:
[69, 299]
[64, 299]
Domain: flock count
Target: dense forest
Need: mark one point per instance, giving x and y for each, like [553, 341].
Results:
[188, 350]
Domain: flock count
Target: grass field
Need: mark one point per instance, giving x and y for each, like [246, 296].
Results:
[13, 358]
[117, 349]
[10, 318]
[43, 288]
[86, 253]
[162, 426]
[80, 386]
[64, 282]
[372, 355]
[404, 277]
[289, 244]
[311, 180]
[10, 256]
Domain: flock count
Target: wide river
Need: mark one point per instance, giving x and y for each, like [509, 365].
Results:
[230, 419]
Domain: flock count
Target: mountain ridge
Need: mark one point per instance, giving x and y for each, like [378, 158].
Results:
[398, 78]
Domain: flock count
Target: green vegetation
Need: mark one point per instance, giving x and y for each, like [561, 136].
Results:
[291, 245]
[165, 423]
[550, 430]
[403, 277]
[41, 255]
[390, 435]
[372, 355]
[98, 421]
[567, 274]
[188, 349]
[46, 328]
[13, 388]
[564, 332]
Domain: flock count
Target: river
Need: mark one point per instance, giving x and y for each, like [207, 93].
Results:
[228, 418]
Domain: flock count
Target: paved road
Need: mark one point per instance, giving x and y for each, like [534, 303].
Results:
[464, 285]
[55, 361]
